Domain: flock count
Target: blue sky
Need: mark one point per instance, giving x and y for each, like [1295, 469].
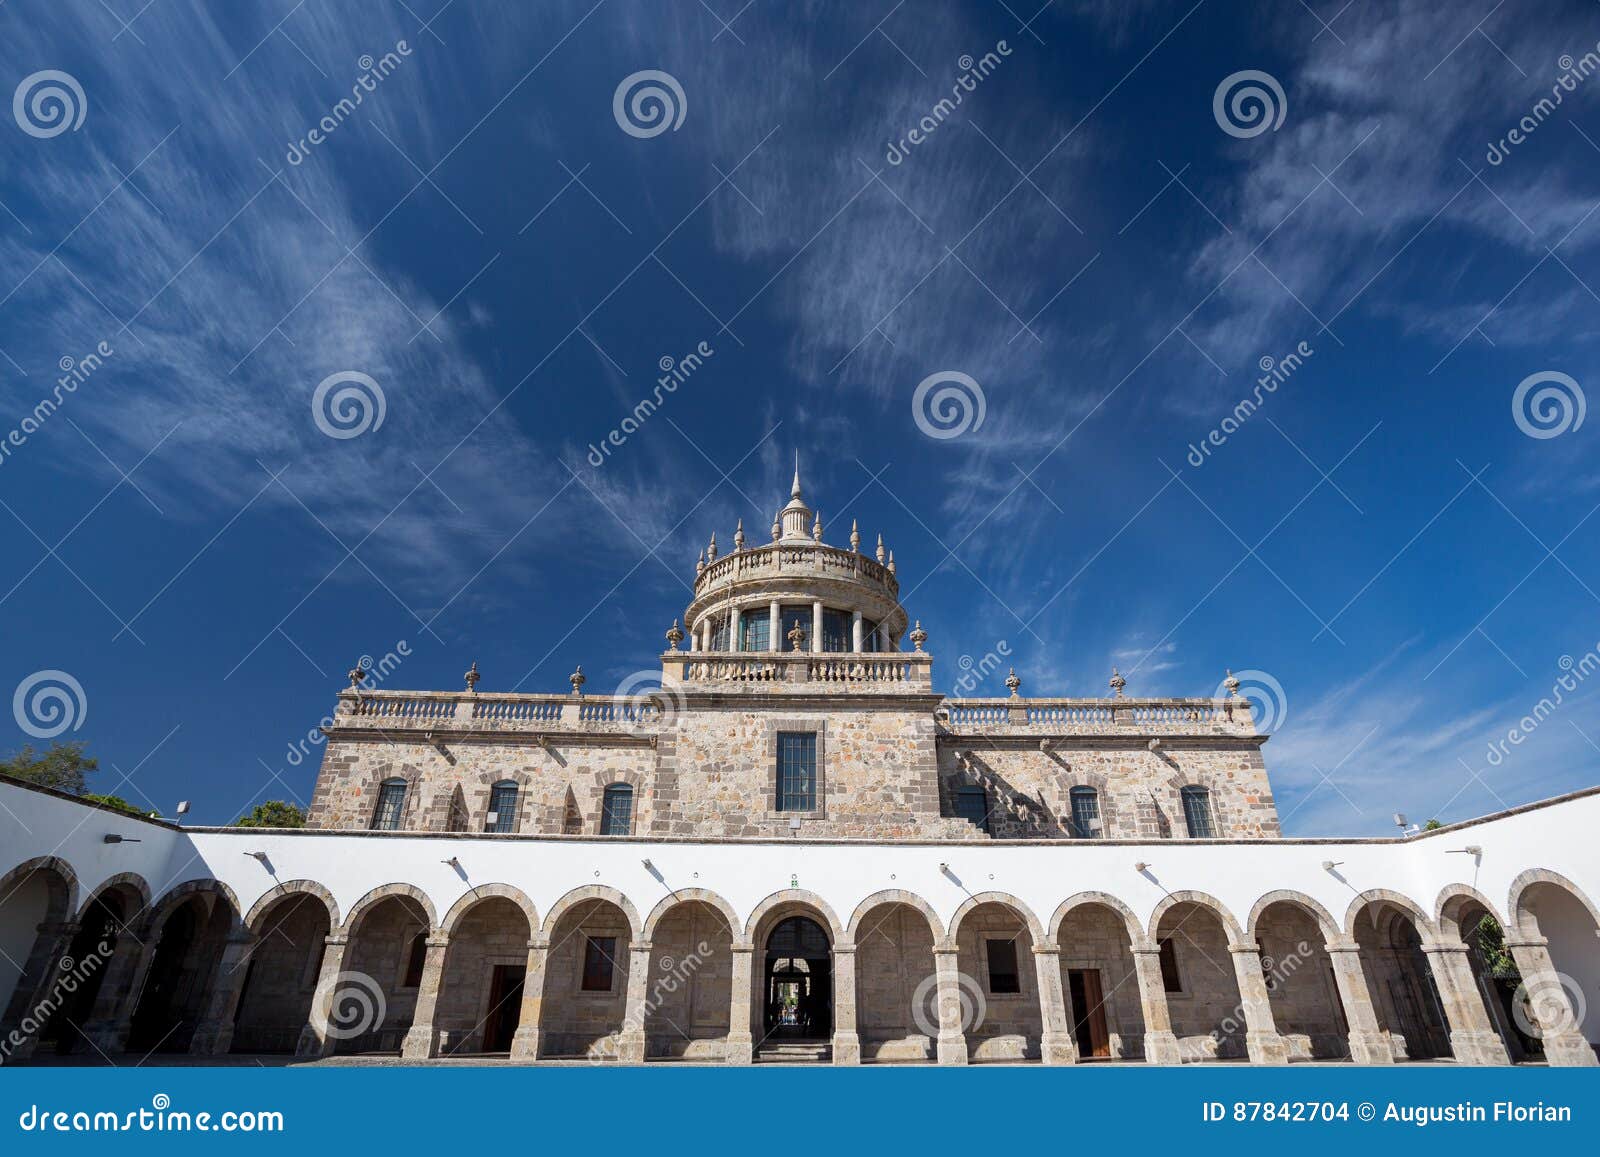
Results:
[1081, 237]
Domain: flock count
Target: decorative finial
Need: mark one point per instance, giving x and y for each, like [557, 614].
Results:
[356, 674]
[1232, 684]
[738, 536]
[674, 634]
[797, 636]
[816, 528]
[577, 679]
[794, 491]
[472, 677]
[777, 530]
[855, 536]
[711, 550]
[1013, 682]
[918, 635]
[700, 564]
[1117, 682]
[891, 562]
[881, 554]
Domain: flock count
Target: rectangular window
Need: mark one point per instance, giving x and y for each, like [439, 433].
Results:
[755, 631]
[616, 811]
[1170, 980]
[391, 802]
[1085, 814]
[790, 618]
[1002, 956]
[1197, 813]
[837, 629]
[503, 806]
[719, 632]
[797, 771]
[972, 805]
[599, 963]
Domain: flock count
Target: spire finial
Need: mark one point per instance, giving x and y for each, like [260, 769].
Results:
[882, 555]
[738, 536]
[472, 677]
[816, 528]
[794, 491]
[1117, 682]
[855, 536]
[674, 634]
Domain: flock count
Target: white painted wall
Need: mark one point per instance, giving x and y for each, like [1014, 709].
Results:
[1560, 838]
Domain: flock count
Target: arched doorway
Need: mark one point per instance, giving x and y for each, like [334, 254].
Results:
[1100, 984]
[281, 975]
[586, 981]
[103, 922]
[1202, 989]
[797, 993]
[182, 970]
[688, 1006]
[387, 953]
[897, 999]
[1404, 993]
[1301, 986]
[480, 1001]
[1494, 972]
[1001, 1016]
[36, 901]
[1562, 1003]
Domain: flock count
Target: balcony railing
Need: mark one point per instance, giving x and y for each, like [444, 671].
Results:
[800, 671]
[1098, 716]
[807, 559]
[466, 711]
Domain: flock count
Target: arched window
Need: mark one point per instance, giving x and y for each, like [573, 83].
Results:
[616, 811]
[1085, 803]
[391, 805]
[502, 807]
[1197, 812]
[972, 805]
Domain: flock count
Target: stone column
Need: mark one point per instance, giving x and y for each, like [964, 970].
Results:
[846, 1041]
[1261, 1037]
[816, 627]
[631, 1043]
[774, 627]
[856, 632]
[1160, 1045]
[525, 1042]
[36, 996]
[741, 1045]
[113, 1009]
[733, 630]
[214, 1035]
[315, 1039]
[1473, 1039]
[1057, 1046]
[422, 1041]
[1368, 1043]
[952, 1044]
[1564, 1042]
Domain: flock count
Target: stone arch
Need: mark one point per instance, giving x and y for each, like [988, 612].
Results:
[781, 902]
[1453, 898]
[364, 906]
[484, 783]
[1425, 926]
[1097, 935]
[894, 896]
[266, 903]
[170, 902]
[572, 899]
[1331, 930]
[1515, 896]
[1005, 900]
[1204, 900]
[482, 892]
[289, 926]
[1136, 934]
[411, 808]
[130, 880]
[1169, 796]
[65, 875]
[185, 938]
[689, 896]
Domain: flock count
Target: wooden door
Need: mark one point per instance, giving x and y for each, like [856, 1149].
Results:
[1089, 1013]
[505, 1007]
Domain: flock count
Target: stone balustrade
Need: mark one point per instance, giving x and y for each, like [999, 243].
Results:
[471, 711]
[800, 560]
[841, 672]
[1098, 716]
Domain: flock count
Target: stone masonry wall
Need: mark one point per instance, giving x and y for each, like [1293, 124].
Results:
[1028, 788]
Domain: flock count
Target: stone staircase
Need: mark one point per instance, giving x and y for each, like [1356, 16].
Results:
[795, 1053]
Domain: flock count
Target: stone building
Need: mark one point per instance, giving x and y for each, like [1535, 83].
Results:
[781, 844]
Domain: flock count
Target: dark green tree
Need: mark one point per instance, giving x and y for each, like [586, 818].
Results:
[64, 767]
[274, 813]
